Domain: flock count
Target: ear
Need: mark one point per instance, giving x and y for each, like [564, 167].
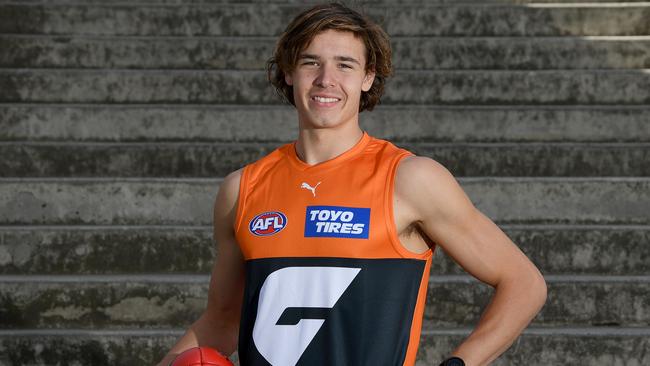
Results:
[368, 80]
[288, 79]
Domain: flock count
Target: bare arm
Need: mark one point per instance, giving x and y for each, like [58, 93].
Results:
[445, 214]
[218, 326]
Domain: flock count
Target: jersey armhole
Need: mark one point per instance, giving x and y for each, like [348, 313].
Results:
[390, 215]
[241, 200]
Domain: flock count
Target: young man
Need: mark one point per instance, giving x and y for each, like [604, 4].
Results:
[324, 245]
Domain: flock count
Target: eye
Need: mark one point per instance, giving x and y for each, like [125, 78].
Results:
[345, 66]
[311, 63]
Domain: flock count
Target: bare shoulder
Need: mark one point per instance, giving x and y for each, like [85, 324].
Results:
[417, 168]
[225, 205]
[229, 188]
[230, 184]
[429, 190]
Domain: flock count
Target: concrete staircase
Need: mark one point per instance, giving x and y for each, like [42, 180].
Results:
[118, 120]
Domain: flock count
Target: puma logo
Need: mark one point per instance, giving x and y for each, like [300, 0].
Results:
[312, 189]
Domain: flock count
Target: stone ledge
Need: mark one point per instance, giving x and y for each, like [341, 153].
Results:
[627, 87]
[107, 349]
[467, 123]
[123, 201]
[251, 53]
[170, 159]
[161, 301]
[251, 19]
[29, 250]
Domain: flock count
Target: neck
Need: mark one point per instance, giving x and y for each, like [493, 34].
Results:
[315, 146]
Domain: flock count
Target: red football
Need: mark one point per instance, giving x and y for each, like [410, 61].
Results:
[199, 356]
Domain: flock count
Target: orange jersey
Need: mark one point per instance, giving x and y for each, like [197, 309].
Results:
[327, 280]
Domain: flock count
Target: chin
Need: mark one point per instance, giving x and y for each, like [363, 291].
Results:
[320, 121]
[323, 124]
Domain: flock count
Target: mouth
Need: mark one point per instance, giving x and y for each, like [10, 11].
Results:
[325, 101]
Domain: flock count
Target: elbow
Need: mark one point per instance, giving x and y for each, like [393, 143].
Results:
[538, 289]
[529, 284]
[541, 291]
[535, 285]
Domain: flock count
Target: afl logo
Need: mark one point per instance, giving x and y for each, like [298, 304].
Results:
[267, 223]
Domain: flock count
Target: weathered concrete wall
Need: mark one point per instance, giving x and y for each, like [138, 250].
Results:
[118, 122]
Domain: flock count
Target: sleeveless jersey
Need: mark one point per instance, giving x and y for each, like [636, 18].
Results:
[327, 280]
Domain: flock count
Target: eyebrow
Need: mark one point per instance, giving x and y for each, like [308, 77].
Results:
[338, 58]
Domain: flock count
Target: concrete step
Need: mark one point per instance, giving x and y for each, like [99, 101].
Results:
[252, 87]
[309, 2]
[457, 301]
[172, 159]
[76, 201]
[108, 249]
[163, 301]
[555, 249]
[550, 346]
[251, 123]
[250, 53]
[250, 19]
[594, 346]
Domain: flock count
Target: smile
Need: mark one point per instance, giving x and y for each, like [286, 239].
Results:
[325, 100]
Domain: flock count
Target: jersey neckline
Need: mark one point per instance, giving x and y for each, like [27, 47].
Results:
[348, 154]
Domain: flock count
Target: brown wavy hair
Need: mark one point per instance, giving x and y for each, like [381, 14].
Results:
[306, 25]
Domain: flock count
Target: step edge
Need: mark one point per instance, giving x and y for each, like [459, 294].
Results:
[531, 331]
[517, 227]
[216, 179]
[287, 107]
[205, 278]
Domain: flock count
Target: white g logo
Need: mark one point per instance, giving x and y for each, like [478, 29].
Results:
[295, 287]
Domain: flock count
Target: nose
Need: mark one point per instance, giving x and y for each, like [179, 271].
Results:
[326, 77]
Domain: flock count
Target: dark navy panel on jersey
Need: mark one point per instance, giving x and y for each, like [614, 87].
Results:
[368, 324]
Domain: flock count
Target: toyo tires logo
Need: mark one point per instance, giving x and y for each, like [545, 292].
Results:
[267, 223]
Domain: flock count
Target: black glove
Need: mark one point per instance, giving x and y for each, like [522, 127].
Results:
[453, 361]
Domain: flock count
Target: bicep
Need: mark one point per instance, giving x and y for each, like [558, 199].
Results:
[227, 279]
[448, 217]
[478, 246]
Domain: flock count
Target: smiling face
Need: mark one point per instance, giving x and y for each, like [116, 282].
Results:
[328, 80]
